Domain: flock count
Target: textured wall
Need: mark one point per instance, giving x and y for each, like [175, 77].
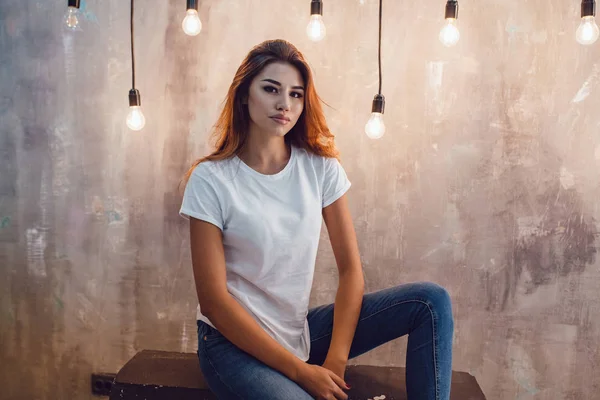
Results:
[487, 180]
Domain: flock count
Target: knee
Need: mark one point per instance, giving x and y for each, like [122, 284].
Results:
[439, 301]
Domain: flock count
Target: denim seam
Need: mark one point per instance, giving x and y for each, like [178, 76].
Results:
[435, 354]
[217, 373]
[435, 364]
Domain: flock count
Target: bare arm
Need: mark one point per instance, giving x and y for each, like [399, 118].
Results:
[348, 300]
[228, 316]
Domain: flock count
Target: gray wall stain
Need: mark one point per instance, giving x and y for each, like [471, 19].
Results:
[486, 180]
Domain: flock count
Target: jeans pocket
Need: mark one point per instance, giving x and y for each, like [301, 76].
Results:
[207, 333]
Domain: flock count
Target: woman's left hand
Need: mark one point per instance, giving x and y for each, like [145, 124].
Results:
[337, 367]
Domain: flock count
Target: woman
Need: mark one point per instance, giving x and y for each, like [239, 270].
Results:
[256, 206]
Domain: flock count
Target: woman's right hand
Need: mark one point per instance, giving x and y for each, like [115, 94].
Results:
[321, 383]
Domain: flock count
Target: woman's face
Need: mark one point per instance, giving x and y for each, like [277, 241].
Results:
[275, 99]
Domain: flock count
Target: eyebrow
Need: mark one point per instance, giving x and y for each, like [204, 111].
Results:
[274, 82]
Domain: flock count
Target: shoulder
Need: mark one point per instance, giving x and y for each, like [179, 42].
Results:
[214, 171]
[319, 163]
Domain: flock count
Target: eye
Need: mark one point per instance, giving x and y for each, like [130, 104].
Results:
[273, 89]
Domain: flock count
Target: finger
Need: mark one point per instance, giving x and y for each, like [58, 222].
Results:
[339, 381]
[339, 395]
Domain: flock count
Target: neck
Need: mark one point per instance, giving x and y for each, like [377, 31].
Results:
[265, 155]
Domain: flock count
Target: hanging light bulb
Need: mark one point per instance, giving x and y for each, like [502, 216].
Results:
[449, 35]
[191, 23]
[588, 31]
[135, 118]
[316, 28]
[375, 127]
[71, 17]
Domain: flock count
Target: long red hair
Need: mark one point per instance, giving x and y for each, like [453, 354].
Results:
[231, 129]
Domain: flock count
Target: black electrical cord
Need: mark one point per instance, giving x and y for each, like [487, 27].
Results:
[378, 105]
[379, 48]
[132, 53]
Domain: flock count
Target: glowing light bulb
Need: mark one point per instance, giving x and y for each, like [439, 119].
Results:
[449, 35]
[135, 118]
[70, 19]
[191, 23]
[588, 31]
[375, 128]
[316, 28]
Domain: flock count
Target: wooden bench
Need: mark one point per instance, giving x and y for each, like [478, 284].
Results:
[154, 375]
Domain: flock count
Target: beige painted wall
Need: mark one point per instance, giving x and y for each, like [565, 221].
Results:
[487, 180]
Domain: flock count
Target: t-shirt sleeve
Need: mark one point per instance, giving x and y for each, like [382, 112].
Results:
[201, 201]
[335, 182]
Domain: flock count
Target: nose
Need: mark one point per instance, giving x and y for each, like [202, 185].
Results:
[283, 104]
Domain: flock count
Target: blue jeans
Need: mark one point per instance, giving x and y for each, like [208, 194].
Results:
[421, 310]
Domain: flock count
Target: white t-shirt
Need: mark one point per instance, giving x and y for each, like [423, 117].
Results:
[271, 226]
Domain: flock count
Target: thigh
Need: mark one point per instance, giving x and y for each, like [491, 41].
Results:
[233, 374]
[385, 315]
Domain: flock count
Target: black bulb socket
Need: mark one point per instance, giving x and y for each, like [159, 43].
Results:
[74, 3]
[134, 98]
[316, 7]
[192, 5]
[378, 104]
[452, 9]
[588, 8]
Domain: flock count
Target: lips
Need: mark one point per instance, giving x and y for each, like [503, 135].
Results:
[280, 120]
